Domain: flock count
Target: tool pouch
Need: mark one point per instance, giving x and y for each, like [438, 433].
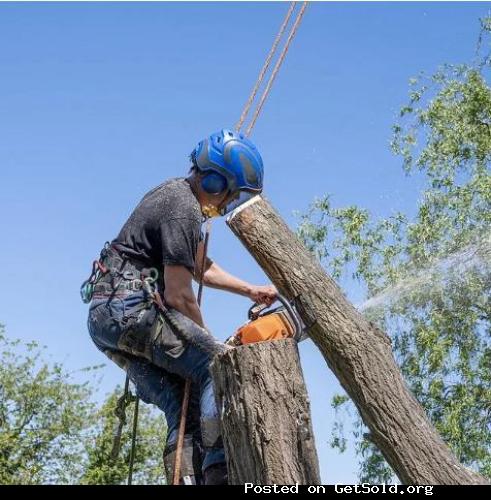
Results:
[140, 328]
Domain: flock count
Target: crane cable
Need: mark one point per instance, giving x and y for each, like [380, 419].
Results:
[276, 68]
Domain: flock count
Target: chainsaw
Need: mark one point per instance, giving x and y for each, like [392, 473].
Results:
[266, 324]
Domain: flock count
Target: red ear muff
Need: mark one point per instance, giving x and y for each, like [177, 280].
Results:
[213, 183]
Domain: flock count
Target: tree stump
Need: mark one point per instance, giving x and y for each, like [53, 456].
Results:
[265, 414]
[358, 353]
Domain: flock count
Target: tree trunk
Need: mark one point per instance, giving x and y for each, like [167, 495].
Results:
[266, 425]
[358, 353]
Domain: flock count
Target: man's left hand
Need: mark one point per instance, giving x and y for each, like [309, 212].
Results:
[265, 294]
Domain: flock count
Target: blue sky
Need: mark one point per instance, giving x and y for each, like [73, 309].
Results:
[99, 102]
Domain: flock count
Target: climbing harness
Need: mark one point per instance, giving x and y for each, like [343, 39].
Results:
[113, 275]
[116, 274]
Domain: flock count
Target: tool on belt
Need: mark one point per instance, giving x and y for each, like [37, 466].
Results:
[267, 324]
[98, 270]
[115, 274]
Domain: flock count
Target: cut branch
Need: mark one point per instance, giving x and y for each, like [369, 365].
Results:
[358, 353]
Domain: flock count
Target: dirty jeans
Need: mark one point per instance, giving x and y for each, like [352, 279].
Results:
[160, 380]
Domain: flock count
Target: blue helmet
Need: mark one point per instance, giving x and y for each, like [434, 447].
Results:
[230, 162]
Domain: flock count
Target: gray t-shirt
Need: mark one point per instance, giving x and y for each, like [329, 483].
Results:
[165, 227]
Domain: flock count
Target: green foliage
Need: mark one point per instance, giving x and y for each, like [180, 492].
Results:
[51, 432]
[102, 468]
[43, 416]
[428, 279]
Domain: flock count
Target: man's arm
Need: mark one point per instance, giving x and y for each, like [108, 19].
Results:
[179, 294]
[216, 277]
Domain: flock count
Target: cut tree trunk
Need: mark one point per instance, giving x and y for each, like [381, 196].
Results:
[265, 414]
[358, 353]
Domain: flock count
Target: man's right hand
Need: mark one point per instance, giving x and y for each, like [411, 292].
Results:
[265, 294]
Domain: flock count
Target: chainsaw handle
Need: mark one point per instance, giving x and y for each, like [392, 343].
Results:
[256, 309]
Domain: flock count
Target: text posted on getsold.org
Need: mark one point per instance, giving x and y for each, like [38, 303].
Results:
[364, 488]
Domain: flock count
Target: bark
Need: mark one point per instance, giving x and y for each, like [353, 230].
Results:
[265, 414]
[358, 353]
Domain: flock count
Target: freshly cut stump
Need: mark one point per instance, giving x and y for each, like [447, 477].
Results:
[265, 414]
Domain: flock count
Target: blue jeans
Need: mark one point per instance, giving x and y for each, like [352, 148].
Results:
[159, 376]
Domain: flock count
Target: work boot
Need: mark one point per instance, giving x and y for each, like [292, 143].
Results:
[216, 474]
[190, 462]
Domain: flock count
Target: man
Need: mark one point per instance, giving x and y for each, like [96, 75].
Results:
[160, 249]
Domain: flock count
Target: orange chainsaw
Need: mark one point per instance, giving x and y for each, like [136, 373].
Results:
[267, 324]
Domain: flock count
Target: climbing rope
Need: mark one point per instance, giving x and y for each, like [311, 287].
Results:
[276, 68]
[120, 412]
[187, 385]
[133, 441]
[127, 398]
[265, 67]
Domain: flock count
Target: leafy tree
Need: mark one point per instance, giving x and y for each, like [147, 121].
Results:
[428, 278]
[102, 467]
[52, 432]
[43, 416]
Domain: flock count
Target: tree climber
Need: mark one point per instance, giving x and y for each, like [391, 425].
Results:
[161, 347]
